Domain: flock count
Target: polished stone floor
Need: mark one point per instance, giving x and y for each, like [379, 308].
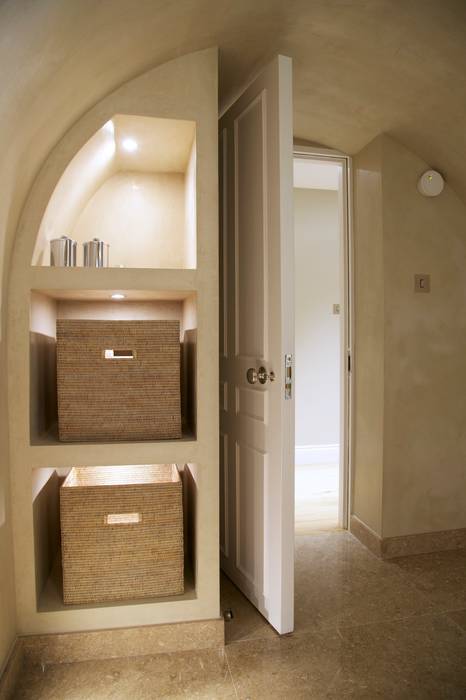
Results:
[364, 629]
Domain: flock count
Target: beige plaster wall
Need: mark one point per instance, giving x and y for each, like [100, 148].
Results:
[190, 210]
[89, 169]
[369, 337]
[410, 451]
[7, 592]
[46, 516]
[141, 216]
[317, 328]
[424, 485]
[80, 61]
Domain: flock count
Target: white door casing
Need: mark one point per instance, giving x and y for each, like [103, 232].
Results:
[257, 329]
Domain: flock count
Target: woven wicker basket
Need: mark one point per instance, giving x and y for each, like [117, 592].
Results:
[118, 380]
[122, 533]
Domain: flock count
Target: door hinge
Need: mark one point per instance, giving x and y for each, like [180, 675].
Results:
[349, 362]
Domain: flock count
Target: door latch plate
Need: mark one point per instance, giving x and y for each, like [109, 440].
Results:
[288, 377]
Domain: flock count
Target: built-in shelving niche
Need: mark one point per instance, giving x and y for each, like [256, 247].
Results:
[49, 305]
[46, 484]
[133, 185]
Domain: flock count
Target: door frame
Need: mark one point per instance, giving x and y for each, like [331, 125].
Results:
[346, 324]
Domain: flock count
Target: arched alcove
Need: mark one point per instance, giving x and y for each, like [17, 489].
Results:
[156, 205]
[132, 185]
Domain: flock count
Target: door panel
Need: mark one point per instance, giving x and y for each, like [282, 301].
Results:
[251, 404]
[224, 514]
[249, 476]
[250, 249]
[256, 264]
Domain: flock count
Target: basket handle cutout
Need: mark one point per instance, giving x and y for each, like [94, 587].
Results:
[123, 519]
[111, 354]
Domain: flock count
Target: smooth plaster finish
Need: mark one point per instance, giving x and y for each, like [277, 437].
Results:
[317, 328]
[163, 145]
[141, 216]
[424, 486]
[90, 167]
[142, 203]
[7, 588]
[184, 88]
[368, 338]
[410, 444]
[359, 68]
[11, 672]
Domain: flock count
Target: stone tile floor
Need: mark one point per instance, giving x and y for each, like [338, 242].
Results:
[364, 629]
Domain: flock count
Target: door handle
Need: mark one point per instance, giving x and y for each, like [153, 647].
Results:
[260, 375]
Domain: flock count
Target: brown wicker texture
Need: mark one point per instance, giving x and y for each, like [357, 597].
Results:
[122, 533]
[135, 398]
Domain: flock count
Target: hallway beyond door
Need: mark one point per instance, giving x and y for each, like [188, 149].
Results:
[322, 341]
[316, 498]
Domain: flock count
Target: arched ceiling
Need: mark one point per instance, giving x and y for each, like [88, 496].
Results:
[361, 67]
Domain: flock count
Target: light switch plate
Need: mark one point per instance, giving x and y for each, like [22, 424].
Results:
[422, 283]
[336, 309]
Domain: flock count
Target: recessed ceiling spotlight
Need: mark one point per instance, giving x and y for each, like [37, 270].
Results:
[130, 145]
[118, 296]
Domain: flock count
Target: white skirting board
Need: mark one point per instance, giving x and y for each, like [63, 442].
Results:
[317, 454]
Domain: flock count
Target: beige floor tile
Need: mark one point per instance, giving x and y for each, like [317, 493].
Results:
[441, 576]
[459, 616]
[247, 622]
[290, 667]
[364, 629]
[417, 659]
[202, 675]
[406, 660]
[338, 582]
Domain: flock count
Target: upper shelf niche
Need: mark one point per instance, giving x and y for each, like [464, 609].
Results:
[133, 185]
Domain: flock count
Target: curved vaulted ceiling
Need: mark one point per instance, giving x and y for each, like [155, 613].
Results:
[361, 67]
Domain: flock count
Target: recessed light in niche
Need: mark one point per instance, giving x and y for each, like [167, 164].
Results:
[118, 296]
[130, 145]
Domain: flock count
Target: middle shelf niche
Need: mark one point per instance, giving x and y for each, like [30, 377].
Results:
[49, 305]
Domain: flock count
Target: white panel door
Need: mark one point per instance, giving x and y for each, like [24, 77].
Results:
[257, 419]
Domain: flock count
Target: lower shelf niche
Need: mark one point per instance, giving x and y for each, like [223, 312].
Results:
[46, 485]
[49, 307]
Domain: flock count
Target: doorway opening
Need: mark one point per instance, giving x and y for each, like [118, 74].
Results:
[322, 340]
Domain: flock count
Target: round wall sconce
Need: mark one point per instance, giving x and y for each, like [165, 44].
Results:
[431, 183]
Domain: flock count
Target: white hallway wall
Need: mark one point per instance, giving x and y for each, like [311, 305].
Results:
[317, 328]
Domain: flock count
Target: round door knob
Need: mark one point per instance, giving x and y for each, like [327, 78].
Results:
[259, 375]
[263, 375]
